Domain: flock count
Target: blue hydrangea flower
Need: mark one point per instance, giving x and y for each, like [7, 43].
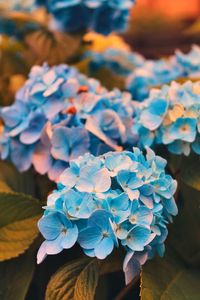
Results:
[19, 5]
[140, 215]
[119, 206]
[118, 61]
[4, 143]
[98, 236]
[117, 163]
[78, 205]
[59, 115]
[189, 61]
[152, 74]
[115, 200]
[60, 233]
[195, 145]
[130, 183]
[133, 262]
[94, 179]
[17, 151]
[39, 100]
[108, 126]
[158, 72]
[47, 88]
[137, 238]
[170, 116]
[100, 16]
[69, 143]
[154, 113]
[182, 129]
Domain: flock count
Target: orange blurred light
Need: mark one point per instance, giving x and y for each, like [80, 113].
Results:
[171, 8]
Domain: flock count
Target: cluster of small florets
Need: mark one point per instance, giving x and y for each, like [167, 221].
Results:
[44, 95]
[115, 199]
[119, 61]
[170, 116]
[144, 74]
[159, 72]
[21, 5]
[103, 16]
[59, 115]
[151, 74]
[189, 62]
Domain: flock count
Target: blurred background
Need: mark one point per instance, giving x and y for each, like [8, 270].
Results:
[158, 27]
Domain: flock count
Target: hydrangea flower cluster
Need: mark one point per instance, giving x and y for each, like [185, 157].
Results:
[159, 72]
[21, 5]
[151, 74]
[119, 61]
[189, 62]
[117, 199]
[103, 16]
[59, 115]
[170, 116]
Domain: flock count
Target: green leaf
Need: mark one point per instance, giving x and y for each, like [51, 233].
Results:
[52, 47]
[16, 275]
[168, 279]
[11, 63]
[83, 66]
[4, 188]
[109, 79]
[194, 29]
[184, 233]
[77, 280]
[19, 214]
[87, 282]
[18, 182]
[190, 171]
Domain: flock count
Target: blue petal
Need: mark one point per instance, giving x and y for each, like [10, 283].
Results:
[70, 176]
[100, 218]
[42, 253]
[60, 143]
[137, 238]
[54, 247]
[104, 248]
[90, 237]
[120, 202]
[18, 151]
[50, 226]
[89, 252]
[170, 206]
[42, 160]
[132, 270]
[34, 130]
[56, 170]
[70, 237]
